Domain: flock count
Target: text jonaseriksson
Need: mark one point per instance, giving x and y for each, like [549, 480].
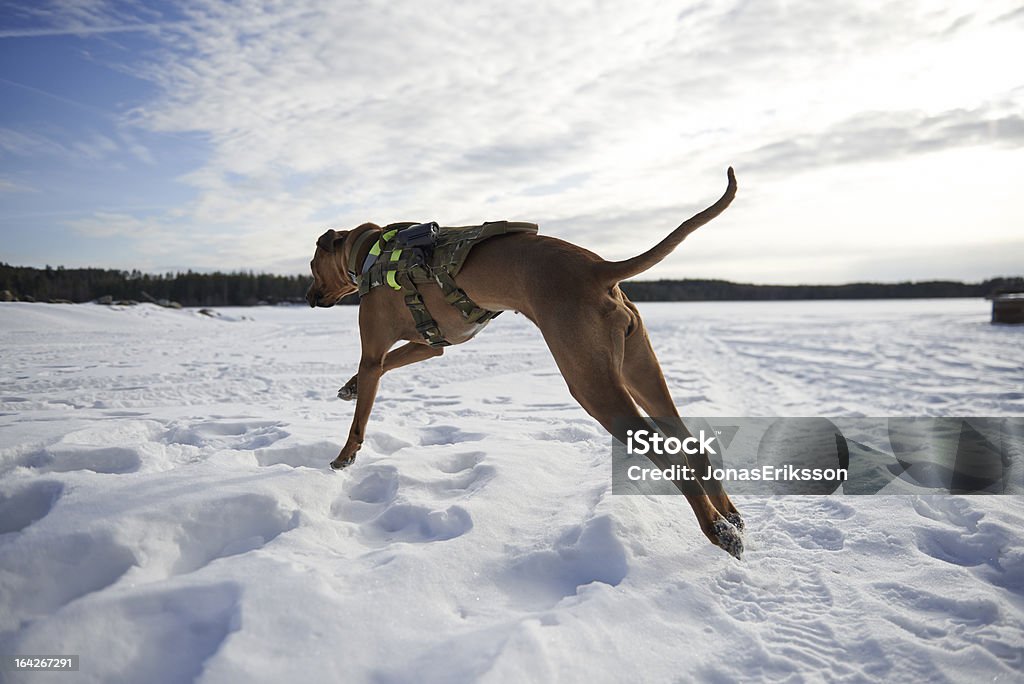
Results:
[787, 472]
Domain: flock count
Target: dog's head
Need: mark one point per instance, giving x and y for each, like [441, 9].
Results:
[331, 283]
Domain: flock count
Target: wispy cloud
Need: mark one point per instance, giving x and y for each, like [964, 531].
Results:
[877, 136]
[8, 185]
[112, 224]
[28, 143]
[77, 31]
[49, 18]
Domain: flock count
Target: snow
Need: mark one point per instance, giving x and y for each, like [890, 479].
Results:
[166, 510]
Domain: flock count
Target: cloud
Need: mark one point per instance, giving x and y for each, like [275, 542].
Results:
[29, 144]
[76, 31]
[876, 136]
[85, 149]
[96, 148]
[158, 239]
[81, 18]
[112, 224]
[7, 185]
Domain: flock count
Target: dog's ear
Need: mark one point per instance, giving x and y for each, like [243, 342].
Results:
[330, 239]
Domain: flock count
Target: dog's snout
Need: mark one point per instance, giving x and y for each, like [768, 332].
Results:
[312, 296]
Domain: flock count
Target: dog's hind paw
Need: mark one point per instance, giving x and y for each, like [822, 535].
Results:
[339, 463]
[728, 537]
[736, 521]
[347, 393]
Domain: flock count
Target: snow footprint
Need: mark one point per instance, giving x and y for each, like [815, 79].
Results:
[583, 554]
[467, 471]
[243, 435]
[811, 525]
[461, 462]
[44, 573]
[952, 621]
[63, 458]
[178, 630]
[24, 506]
[314, 455]
[794, 619]
[570, 434]
[376, 487]
[223, 528]
[417, 524]
[948, 509]
[167, 634]
[964, 539]
[448, 434]
[386, 444]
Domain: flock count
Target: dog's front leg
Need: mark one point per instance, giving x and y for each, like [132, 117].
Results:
[407, 354]
[371, 367]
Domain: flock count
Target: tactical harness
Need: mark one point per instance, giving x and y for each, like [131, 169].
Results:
[406, 255]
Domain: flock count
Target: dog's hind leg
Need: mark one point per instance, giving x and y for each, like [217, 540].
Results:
[591, 364]
[647, 386]
[409, 353]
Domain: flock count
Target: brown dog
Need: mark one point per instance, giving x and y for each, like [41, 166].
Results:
[593, 331]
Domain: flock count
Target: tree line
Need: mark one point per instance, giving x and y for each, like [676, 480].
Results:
[248, 288]
[723, 290]
[188, 289]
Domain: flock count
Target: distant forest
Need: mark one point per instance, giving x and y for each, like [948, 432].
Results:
[188, 289]
[247, 289]
[723, 290]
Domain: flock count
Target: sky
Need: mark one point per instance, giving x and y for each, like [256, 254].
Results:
[871, 140]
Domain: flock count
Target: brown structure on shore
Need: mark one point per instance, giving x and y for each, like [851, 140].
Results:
[1008, 308]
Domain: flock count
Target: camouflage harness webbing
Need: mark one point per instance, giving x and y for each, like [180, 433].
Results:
[404, 268]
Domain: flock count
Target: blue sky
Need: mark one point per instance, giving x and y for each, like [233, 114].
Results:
[872, 141]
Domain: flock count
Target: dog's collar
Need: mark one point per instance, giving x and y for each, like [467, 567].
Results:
[358, 246]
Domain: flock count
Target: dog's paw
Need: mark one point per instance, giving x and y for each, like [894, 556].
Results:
[736, 521]
[342, 462]
[347, 393]
[727, 537]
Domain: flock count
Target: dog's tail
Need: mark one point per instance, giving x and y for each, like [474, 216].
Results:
[616, 271]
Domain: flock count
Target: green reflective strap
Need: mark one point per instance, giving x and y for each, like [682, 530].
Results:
[392, 275]
[375, 250]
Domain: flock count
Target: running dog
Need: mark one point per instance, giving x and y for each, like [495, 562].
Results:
[594, 332]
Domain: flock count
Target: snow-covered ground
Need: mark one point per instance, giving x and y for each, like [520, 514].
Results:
[167, 514]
